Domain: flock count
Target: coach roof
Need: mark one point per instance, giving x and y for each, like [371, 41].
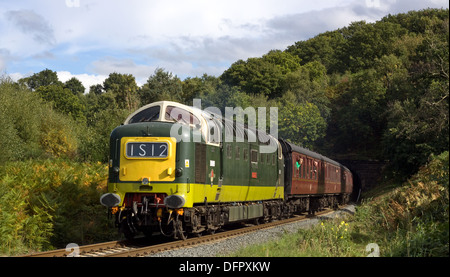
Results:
[298, 149]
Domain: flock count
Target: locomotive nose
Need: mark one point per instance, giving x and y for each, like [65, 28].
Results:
[110, 200]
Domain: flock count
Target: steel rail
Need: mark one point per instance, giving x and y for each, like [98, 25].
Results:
[85, 250]
[137, 247]
[148, 250]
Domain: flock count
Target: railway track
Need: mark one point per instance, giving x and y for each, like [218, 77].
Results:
[140, 247]
[92, 250]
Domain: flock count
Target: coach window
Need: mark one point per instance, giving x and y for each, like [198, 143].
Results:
[313, 170]
[310, 169]
[306, 167]
[274, 158]
[299, 166]
[245, 154]
[315, 164]
[238, 154]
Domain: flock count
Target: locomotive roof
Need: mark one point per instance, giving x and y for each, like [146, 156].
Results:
[307, 152]
[205, 116]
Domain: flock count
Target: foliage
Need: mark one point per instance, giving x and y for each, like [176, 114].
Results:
[63, 100]
[261, 75]
[34, 131]
[309, 83]
[419, 123]
[124, 89]
[324, 48]
[75, 86]
[415, 216]
[301, 123]
[50, 203]
[44, 78]
[161, 86]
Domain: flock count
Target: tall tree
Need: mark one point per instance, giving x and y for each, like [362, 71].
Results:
[198, 88]
[261, 75]
[75, 86]
[309, 83]
[160, 86]
[63, 101]
[301, 123]
[323, 48]
[44, 78]
[419, 122]
[124, 88]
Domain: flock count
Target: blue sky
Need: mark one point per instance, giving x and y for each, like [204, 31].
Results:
[89, 39]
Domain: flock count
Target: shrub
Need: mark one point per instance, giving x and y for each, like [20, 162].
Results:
[46, 204]
[413, 220]
[32, 128]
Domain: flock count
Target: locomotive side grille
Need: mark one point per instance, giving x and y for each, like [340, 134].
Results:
[200, 163]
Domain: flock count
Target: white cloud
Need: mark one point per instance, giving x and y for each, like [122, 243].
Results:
[108, 65]
[86, 79]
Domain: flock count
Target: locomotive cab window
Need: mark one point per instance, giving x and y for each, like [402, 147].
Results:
[180, 115]
[147, 115]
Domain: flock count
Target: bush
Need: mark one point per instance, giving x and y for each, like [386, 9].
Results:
[413, 220]
[32, 128]
[46, 204]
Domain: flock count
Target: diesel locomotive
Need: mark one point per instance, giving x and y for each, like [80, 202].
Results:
[179, 170]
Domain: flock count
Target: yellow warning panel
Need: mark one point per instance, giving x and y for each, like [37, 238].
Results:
[147, 158]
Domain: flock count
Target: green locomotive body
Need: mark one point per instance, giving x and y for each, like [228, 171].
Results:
[172, 171]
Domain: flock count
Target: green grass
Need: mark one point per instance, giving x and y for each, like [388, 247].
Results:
[403, 220]
[327, 239]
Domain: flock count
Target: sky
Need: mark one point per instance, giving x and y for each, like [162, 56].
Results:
[89, 39]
